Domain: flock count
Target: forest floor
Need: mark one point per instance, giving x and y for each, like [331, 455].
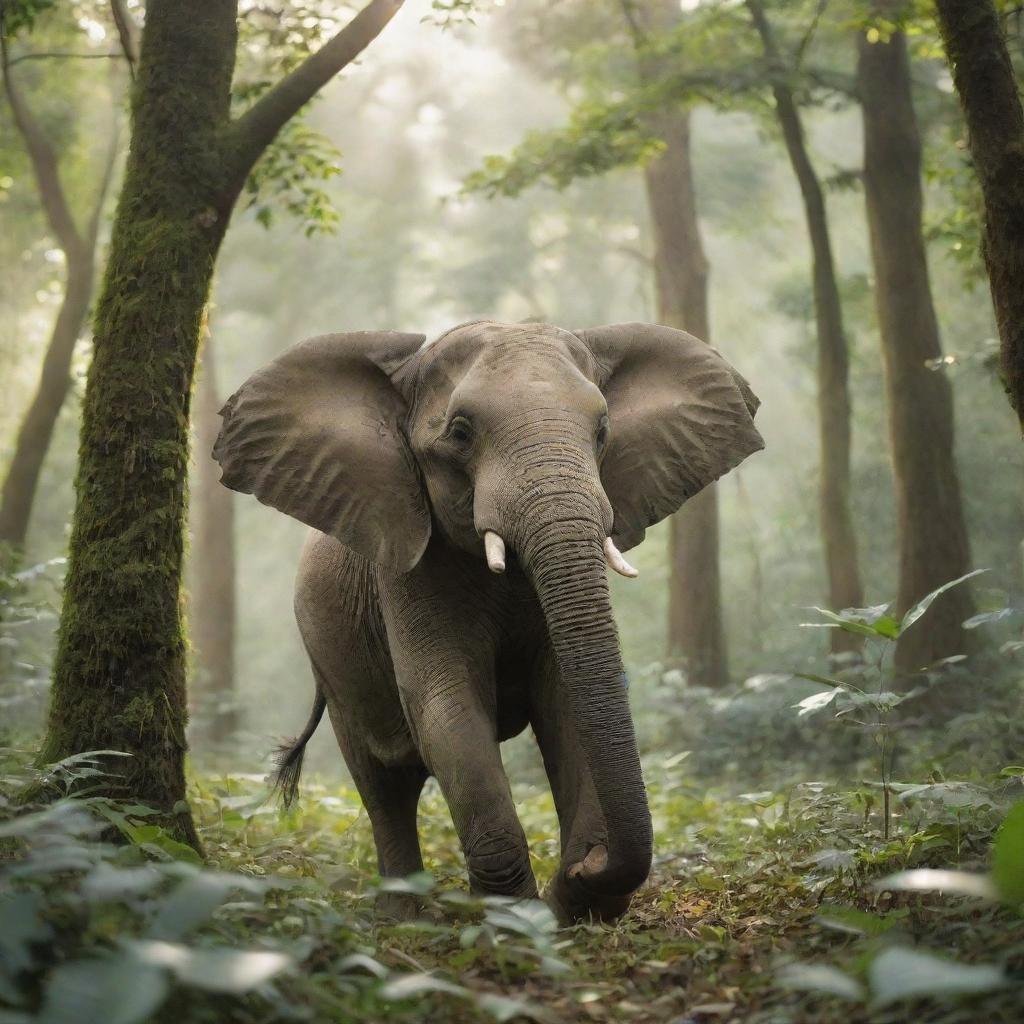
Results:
[761, 907]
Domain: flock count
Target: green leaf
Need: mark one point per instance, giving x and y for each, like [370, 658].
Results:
[878, 617]
[362, 962]
[22, 14]
[820, 978]
[232, 971]
[504, 1008]
[887, 626]
[23, 927]
[858, 922]
[897, 974]
[115, 990]
[419, 884]
[1008, 857]
[851, 625]
[949, 794]
[925, 603]
[885, 701]
[816, 701]
[411, 986]
[984, 618]
[194, 901]
[961, 883]
[824, 680]
[106, 883]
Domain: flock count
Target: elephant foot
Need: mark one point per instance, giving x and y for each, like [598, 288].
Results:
[398, 906]
[570, 899]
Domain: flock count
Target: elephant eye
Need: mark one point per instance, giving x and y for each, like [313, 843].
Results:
[460, 431]
[601, 438]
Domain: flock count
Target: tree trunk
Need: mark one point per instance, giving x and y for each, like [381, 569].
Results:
[36, 430]
[933, 542]
[840, 542]
[79, 249]
[119, 671]
[212, 617]
[119, 674]
[695, 629]
[985, 80]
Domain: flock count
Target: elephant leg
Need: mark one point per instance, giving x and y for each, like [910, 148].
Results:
[390, 795]
[462, 751]
[442, 640]
[582, 826]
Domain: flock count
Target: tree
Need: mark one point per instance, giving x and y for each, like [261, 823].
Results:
[843, 573]
[119, 673]
[987, 85]
[695, 628]
[933, 544]
[212, 613]
[76, 237]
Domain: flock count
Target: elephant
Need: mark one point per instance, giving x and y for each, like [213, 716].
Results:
[466, 497]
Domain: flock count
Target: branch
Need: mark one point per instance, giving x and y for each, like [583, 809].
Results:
[805, 40]
[254, 130]
[43, 159]
[629, 13]
[639, 255]
[764, 30]
[63, 54]
[128, 31]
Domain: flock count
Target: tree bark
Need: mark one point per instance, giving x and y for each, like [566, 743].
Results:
[933, 541]
[844, 584]
[119, 674]
[695, 629]
[119, 671]
[985, 81]
[213, 566]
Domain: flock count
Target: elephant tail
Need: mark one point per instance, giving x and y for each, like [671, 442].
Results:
[288, 756]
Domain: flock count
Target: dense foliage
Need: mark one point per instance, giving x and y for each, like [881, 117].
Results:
[769, 906]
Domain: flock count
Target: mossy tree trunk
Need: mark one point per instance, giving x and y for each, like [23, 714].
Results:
[933, 542]
[119, 673]
[987, 85]
[843, 572]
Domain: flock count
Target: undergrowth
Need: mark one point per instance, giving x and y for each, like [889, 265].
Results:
[767, 906]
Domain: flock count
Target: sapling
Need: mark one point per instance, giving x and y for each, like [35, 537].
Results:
[882, 629]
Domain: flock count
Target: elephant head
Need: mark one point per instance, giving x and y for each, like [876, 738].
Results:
[556, 448]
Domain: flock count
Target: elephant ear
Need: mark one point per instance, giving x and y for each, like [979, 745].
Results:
[318, 434]
[680, 417]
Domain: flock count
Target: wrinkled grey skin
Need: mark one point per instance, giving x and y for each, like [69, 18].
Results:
[401, 456]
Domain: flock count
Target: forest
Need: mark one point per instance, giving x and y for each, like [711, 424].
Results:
[664, 682]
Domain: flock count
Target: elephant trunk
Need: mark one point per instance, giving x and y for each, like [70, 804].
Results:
[565, 560]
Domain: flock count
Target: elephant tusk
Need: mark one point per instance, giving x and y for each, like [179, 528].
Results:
[494, 547]
[613, 556]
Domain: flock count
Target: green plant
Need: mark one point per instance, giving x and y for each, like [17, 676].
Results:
[871, 704]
